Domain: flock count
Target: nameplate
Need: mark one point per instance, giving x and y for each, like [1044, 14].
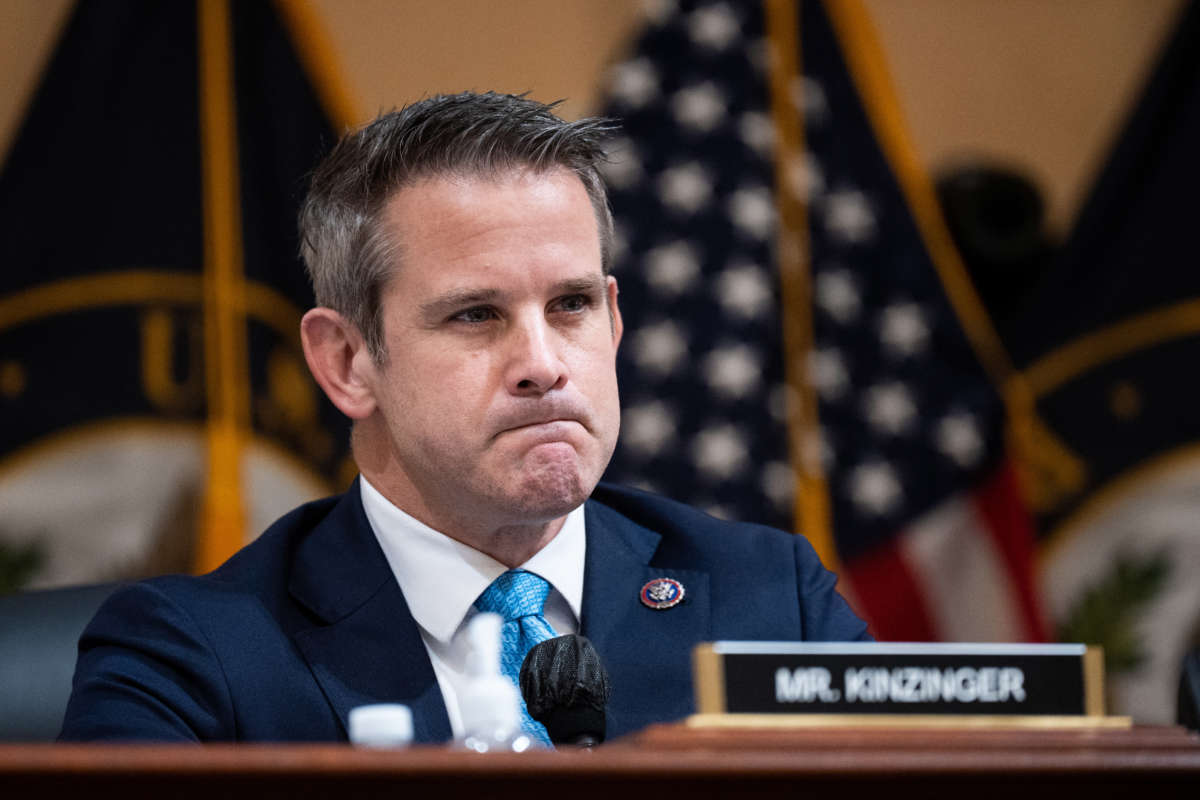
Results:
[1059, 680]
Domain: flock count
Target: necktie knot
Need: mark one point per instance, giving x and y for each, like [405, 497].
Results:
[514, 595]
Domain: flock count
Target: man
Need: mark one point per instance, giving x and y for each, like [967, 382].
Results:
[468, 325]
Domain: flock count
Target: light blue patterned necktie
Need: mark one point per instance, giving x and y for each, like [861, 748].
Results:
[519, 597]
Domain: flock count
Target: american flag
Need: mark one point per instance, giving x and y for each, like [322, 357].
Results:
[922, 501]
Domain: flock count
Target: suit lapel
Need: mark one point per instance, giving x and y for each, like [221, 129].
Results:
[368, 648]
[647, 652]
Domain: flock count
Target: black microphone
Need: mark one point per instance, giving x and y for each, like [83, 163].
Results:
[566, 689]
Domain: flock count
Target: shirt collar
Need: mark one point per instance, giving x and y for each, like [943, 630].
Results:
[441, 577]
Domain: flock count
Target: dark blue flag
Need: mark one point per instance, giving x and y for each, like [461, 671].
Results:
[151, 296]
[1109, 347]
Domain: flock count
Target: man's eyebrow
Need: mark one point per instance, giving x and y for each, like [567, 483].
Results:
[592, 283]
[455, 300]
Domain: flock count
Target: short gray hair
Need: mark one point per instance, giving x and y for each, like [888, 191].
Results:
[345, 250]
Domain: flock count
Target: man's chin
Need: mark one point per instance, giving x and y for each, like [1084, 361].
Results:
[549, 489]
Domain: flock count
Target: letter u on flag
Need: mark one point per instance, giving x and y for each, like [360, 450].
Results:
[157, 407]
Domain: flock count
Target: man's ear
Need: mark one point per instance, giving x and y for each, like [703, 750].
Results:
[614, 311]
[338, 358]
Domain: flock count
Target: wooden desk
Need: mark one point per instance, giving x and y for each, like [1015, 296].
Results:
[662, 762]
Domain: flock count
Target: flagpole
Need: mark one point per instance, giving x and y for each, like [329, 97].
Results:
[223, 522]
[316, 53]
[804, 430]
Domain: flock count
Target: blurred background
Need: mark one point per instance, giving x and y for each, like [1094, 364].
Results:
[913, 277]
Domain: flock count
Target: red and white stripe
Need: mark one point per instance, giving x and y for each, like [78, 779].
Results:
[961, 572]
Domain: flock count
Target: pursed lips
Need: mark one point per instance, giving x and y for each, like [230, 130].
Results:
[549, 426]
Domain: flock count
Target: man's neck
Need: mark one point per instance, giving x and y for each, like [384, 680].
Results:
[511, 544]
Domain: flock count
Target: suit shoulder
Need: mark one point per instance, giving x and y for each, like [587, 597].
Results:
[259, 570]
[674, 520]
[751, 568]
[276, 544]
[246, 596]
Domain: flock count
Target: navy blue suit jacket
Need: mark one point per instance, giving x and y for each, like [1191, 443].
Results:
[308, 621]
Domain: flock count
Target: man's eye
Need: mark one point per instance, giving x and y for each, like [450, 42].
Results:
[575, 302]
[474, 315]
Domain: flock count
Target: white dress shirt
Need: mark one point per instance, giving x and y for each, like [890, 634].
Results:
[441, 579]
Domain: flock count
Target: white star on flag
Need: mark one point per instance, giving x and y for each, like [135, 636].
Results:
[672, 268]
[804, 177]
[660, 348]
[837, 295]
[889, 408]
[744, 290]
[719, 451]
[828, 374]
[958, 437]
[634, 83]
[659, 12]
[809, 96]
[699, 107]
[779, 482]
[753, 210]
[874, 488]
[848, 216]
[902, 329]
[714, 26]
[732, 370]
[623, 169]
[780, 402]
[685, 187]
[620, 244]
[648, 427]
[757, 132]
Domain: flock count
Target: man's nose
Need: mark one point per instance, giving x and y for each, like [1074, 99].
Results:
[535, 365]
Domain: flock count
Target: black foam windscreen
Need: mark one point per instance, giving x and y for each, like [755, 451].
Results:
[566, 689]
[1189, 691]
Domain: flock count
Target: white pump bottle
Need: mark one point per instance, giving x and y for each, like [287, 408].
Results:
[489, 702]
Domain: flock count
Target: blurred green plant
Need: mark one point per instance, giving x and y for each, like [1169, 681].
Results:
[1108, 611]
[19, 563]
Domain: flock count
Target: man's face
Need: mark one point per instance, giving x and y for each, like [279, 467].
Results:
[499, 393]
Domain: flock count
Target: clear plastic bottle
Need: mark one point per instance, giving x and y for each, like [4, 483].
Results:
[489, 702]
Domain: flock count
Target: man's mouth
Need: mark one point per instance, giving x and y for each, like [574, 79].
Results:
[549, 420]
[547, 426]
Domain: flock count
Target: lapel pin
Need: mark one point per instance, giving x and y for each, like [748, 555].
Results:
[661, 593]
